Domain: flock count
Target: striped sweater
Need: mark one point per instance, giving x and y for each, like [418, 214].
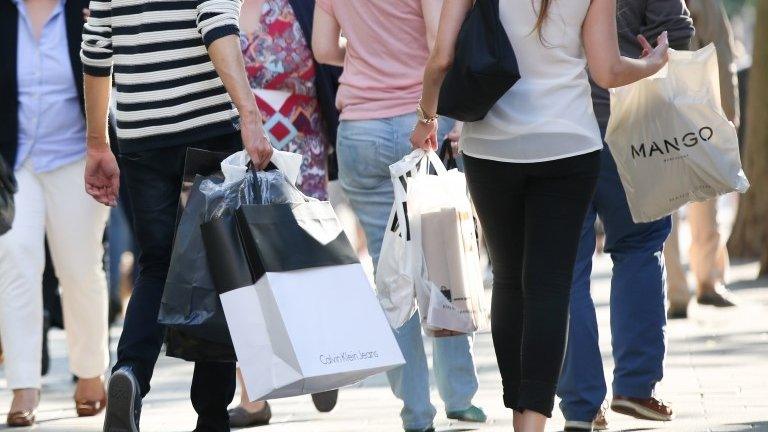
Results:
[168, 92]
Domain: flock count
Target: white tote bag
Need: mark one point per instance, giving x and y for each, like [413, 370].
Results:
[311, 322]
[438, 256]
[671, 140]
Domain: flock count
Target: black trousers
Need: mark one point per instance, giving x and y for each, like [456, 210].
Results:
[153, 180]
[531, 214]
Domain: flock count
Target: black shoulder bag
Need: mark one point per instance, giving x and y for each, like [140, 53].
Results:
[484, 67]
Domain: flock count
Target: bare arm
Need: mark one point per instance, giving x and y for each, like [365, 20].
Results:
[328, 46]
[218, 22]
[431, 11]
[606, 64]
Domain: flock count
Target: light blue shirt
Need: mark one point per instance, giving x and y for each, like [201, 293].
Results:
[51, 124]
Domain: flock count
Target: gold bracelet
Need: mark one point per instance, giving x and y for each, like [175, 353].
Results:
[422, 115]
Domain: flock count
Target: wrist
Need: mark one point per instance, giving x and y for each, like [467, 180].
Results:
[424, 116]
[97, 143]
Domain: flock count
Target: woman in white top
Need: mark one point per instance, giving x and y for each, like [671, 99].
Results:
[531, 166]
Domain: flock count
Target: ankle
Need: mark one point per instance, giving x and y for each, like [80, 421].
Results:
[252, 407]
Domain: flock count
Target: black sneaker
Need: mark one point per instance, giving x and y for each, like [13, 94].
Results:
[124, 406]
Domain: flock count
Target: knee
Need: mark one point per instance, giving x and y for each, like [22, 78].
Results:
[548, 285]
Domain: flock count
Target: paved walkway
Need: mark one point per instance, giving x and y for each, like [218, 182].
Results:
[717, 378]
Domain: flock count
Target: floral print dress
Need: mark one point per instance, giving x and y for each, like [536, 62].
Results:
[281, 72]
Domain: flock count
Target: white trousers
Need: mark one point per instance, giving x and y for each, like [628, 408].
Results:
[54, 204]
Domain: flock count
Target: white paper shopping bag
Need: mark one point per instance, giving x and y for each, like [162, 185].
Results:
[311, 322]
[671, 140]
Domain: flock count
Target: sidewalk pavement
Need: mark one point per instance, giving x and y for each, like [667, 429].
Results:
[716, 377]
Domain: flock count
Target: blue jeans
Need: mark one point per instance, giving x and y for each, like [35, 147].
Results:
[365, 150]
[637, 305]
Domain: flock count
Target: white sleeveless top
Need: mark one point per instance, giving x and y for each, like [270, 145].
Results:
[547, 114]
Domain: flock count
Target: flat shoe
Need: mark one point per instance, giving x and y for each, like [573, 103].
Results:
[21, 418]
[472, 414]
[86, 408]
[240, 417]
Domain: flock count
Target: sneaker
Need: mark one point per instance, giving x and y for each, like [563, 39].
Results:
[429, 429]
[325, 401]
[600, 423]
[643, 408]
[124, 406]
[717, 296]
[472, 414]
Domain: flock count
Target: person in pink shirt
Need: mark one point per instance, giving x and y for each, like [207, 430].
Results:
[384, 48]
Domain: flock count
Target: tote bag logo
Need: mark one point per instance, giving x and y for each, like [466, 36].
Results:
[668, 146]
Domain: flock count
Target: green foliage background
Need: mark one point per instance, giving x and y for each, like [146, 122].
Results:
[734, 6]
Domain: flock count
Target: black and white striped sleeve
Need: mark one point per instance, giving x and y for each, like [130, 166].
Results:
[96, 49]
[218, 18]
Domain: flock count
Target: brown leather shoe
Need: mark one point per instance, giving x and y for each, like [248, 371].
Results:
[24, 418]
[642, 408]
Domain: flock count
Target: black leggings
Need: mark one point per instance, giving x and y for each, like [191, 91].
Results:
[531, 214]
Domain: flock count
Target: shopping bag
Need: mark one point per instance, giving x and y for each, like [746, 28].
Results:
[433, 254]
[214, 183]
[302, 314]
[671, 140]
[449, 287]
[190, 307]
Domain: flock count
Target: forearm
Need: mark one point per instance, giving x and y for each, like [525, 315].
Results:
[97, 90]
[628, 70]
[228, 61]
[434, 74]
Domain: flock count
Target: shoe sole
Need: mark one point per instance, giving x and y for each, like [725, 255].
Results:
[638, 412]
[578, 426]
[122, 402]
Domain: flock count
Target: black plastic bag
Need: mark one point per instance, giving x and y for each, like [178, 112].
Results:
[190, 308]
[7, 189]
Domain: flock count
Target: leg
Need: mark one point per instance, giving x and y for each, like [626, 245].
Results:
[75, 227]
[154, 181]
[709, 257]
[677, 283]
[410, 382]
[22, 259]
[637, 292]
[454, 366]
[557, 197]
[213, 388]
[365, 151]
[496, 190]
[582, 381]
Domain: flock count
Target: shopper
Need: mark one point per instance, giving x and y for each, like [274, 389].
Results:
[637, 282]
[180, 82]
[43, 138]
[532, 165]
[708, 254]
[296, 99]
[384, 49]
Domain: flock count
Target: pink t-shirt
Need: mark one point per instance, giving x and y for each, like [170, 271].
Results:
[386, 53]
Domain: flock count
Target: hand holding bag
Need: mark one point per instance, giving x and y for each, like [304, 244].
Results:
[484, 66]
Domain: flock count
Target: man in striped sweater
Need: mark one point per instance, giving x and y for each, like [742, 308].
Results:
[180, 82]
